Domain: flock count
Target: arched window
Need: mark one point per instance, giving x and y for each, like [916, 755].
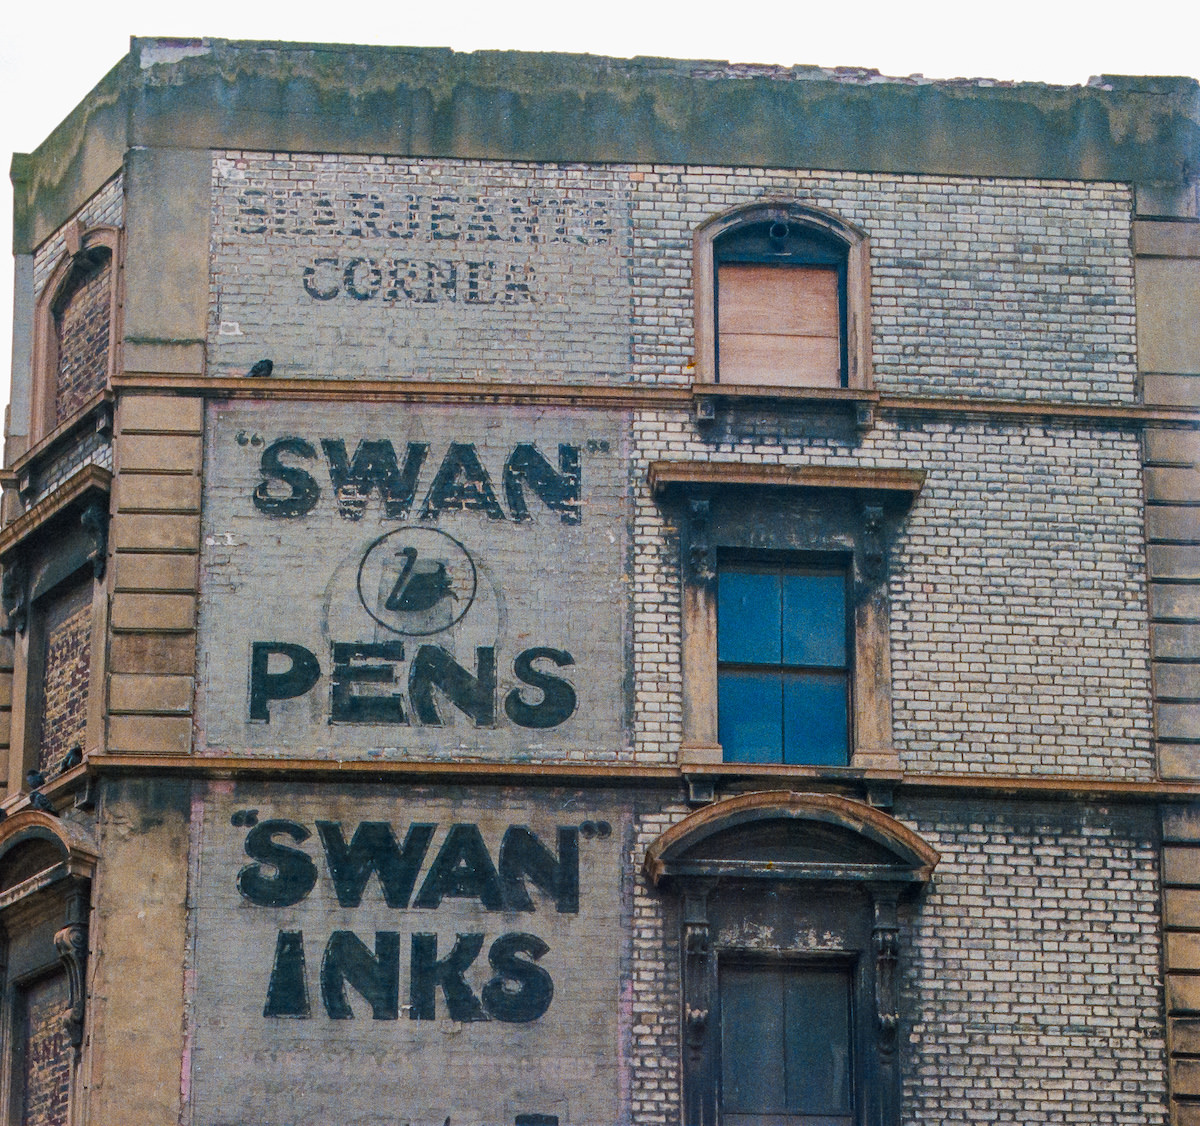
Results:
[75, 336]
[46, 866]
[790, 950]
[782, 299]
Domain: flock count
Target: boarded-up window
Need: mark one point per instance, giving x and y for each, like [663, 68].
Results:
[786, 1046]
[781, 289]
[45, 1052]
[65, 628]
[82, 314]
[779, 325]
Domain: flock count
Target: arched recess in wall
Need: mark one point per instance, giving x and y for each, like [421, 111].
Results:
[782, 298]
[788, 909]
[46, 869]
[76, 329]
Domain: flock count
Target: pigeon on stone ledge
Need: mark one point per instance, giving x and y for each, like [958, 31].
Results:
[261, 369]
[72, 758]
[40, 802]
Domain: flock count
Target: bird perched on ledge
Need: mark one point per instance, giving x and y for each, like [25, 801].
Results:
[261, 369]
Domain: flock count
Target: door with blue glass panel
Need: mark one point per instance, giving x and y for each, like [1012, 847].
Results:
[782, 662]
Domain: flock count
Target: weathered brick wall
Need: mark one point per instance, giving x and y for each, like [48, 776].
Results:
[67, 647]
[1017, 289]
[372, 267]
[83, 325]
[1033, 987]
[270, 1040]
[654, 985]
[46, 1052]
[1019, 637]
[91, 448]
[1019, 634]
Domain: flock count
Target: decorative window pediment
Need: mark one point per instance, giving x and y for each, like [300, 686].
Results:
[792, 518]
[788, 906]
[778, 835]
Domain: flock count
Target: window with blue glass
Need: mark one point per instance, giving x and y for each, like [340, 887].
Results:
[783, 674]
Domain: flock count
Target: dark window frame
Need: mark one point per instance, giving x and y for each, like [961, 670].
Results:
[48, 548]
[44, 920]
[854, 513]
[756, 876]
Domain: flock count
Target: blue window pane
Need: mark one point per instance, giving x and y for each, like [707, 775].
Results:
[814, 620]
[749, 716]
[815, 719]
[748, 609]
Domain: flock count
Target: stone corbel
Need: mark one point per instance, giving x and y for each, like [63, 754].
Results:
[14, 596]
[71, 944]
[697, 956]
[94, 519]
[874, 556]
[886, 939]
[701, 554]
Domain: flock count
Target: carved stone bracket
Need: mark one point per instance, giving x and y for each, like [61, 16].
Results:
[697, 966]
[71, 944]
[94, 519]
[874, 557]
[886, 938]
[14, 595]
[701, 554]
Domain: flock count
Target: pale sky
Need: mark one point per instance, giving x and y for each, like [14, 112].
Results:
[51, 57]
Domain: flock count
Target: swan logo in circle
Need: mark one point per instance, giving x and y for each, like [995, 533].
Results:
[417, 581]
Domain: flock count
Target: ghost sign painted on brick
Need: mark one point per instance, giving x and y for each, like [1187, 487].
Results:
[370, 957]
[344, 268]
[390, 581]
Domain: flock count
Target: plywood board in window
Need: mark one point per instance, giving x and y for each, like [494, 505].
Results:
[811, 361]
[779, 325]
[782, 300]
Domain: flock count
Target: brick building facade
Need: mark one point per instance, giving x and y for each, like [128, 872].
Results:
[695, 622]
